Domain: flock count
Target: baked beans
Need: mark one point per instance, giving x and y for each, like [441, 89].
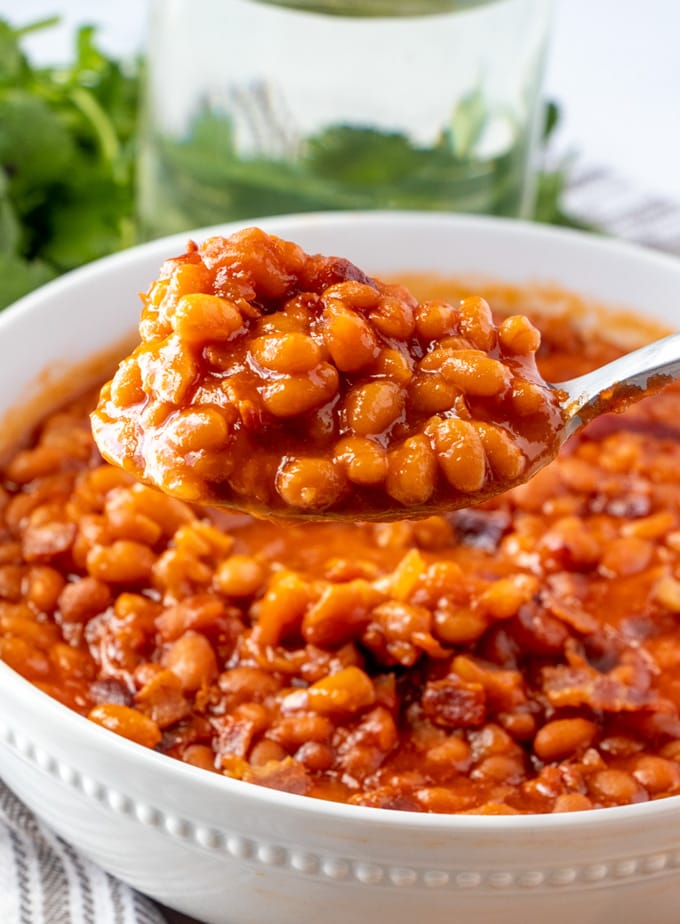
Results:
[520, 656]
[278, 382]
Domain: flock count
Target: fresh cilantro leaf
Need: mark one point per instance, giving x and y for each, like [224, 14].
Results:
[35, 146]
[66, 159]
[19, 277]
[359, 155]
[10, 230]
[78, 233]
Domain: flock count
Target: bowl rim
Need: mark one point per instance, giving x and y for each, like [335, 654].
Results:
[217, 785]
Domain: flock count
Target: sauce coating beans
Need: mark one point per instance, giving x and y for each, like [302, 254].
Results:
[521, 656]
[277, 382]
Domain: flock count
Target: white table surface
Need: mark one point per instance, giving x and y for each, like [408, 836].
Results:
[614, 67]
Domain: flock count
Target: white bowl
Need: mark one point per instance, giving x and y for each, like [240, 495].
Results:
[226, 851]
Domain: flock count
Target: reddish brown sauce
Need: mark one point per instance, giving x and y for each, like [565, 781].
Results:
[521, 656]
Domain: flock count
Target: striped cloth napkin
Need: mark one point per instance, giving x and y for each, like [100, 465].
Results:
[43, 880]
[608, 201]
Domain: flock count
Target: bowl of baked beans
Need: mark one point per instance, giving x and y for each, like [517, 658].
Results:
[254, 720]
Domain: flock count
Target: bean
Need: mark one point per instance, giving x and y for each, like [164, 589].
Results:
[562, 738]
[83, 598]
[505, 457]
[11, 579]
[435, 320]
[255, 714]
[72, 663]
[615, 787]
[570, 541]
[412, 469]
[364, 461]
[518, 335]
[394, 365]
[202, 612]
[281, 609]
[193, 660]
[340, 614]
[265, 751]
[43, 542]
[407, 575]
[294, 730]
[473, 372]
[126, 385]
[30, 464]
[124, 523]
[42, 587]
[527, 398]
[348, 691]
[169, 372]
[310, 483]
[654, 526]
[296, 394]
[476, 322]
[503, 598]
[288, 353]
[350, 340]
[203, 539]
[458, 625]
[460, 453]
[374, 407]
[393, 317]
[572, 802]
[24, 657]
[19, 621]
[657, 774]
[194, 429]
[625, 556]
[499, 768]
[127, 722]
[315, 756]
[430, 393]
[445, 799]
[199, 755]
[666, 591]
[121, 562]
[247, 684]
[357, 295]
[239, 576]
[267, 264]
[452, 751]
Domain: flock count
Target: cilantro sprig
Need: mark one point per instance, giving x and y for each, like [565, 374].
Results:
[66, 160]
[67, 188]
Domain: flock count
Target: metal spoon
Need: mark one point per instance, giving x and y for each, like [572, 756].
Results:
[622, 382]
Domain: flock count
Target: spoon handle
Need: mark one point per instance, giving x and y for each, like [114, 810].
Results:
[619, 383]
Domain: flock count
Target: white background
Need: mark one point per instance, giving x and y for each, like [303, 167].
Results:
[614, 67]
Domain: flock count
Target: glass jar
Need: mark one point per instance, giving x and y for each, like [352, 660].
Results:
[261, 107]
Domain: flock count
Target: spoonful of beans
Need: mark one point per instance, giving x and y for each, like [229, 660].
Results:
[295, 386]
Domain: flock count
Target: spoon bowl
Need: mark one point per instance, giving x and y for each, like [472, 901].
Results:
[292, 385]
